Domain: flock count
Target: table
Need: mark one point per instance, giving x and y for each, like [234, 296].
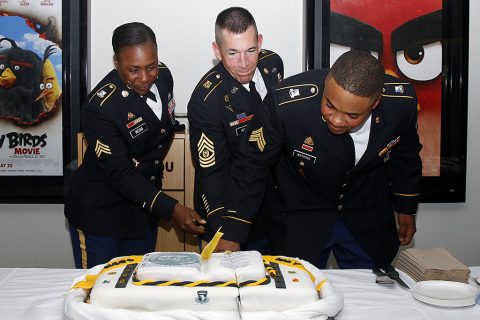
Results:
[35, 293]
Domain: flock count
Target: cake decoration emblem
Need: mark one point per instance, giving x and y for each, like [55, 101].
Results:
[202, 297]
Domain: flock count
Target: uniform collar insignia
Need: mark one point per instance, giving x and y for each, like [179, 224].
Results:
[207, 84]
[293, 93]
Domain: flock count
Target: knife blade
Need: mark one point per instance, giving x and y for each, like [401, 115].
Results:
[382, 277]
[393, 274]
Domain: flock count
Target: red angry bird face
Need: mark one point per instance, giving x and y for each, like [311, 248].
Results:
[406, 36]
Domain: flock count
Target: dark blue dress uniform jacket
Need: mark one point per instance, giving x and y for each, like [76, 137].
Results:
[219, 113]
[316, 181]
[117, 190]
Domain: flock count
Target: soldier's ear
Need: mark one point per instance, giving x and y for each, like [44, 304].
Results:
[216, 51]
[115, 62]
[259, 41]
[377, 101]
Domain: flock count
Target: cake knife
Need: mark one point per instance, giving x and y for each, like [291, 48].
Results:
[382, 277]
[392, 273]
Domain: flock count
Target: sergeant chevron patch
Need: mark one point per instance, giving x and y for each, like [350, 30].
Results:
[257, 136]
[206, 151]
[101, 148]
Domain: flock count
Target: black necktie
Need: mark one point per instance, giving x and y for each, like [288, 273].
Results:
[150, 95]
[350, 148]
[254, 93]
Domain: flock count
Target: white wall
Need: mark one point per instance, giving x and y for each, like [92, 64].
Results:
[35, 235]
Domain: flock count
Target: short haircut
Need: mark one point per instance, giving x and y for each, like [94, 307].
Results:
[235, 20]
[132, 34]
[358, 72]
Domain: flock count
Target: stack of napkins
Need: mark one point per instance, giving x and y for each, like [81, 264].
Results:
[432, 264]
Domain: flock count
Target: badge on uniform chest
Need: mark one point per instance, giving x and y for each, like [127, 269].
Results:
[305, 155]
[137, 125]
[302, 156]
[241, 119]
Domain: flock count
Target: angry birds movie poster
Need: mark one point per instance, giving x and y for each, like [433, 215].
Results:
[406, 36]
[31, 87]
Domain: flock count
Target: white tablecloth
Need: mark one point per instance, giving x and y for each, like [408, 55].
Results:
[30, 293]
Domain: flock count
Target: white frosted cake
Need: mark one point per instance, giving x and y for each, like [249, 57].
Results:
[237, 283]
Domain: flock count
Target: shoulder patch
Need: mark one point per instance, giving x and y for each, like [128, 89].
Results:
[103, 94]
[397, 90]
[208, 84]
[264, 53]
[161, 65]
[295, 93]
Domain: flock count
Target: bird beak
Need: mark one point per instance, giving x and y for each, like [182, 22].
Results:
[43, 94]
[7, 79]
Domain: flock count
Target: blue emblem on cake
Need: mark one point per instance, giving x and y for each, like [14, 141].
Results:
[202, 297]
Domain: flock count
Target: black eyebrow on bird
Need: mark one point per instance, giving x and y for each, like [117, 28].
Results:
[418, 32]
[21, 63]
[355, 34]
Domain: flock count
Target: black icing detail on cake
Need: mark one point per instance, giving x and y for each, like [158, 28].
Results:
[279, 280]
[126, 275]
[263, 281]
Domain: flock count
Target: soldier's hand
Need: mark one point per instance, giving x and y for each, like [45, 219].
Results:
[227, 245]
[406, 228]
[188, 220]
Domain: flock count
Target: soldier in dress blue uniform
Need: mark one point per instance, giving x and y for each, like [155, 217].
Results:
[221, 109]
[345, 148]
[115, 198]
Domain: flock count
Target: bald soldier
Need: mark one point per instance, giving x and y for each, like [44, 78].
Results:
[219, 112]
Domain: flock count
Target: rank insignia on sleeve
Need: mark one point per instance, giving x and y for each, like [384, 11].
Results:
[206, 151]
[205, 203]
[101, 148]
[257, 136]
